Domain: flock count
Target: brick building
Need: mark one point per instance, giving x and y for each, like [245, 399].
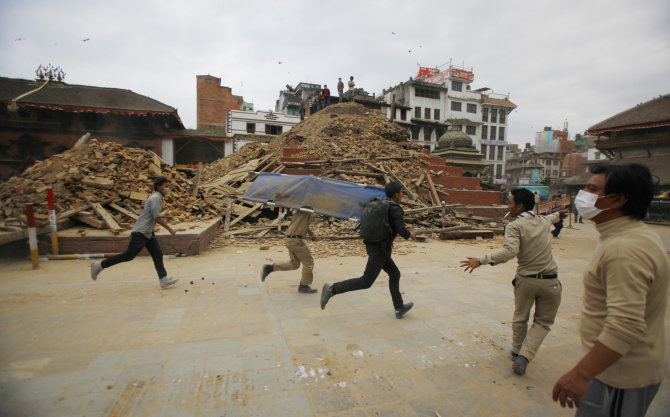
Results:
[214, 101]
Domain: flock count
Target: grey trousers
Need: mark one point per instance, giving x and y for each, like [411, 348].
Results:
[602, 400]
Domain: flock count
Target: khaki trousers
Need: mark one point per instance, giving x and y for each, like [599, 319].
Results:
[298, 252]
[546, 295]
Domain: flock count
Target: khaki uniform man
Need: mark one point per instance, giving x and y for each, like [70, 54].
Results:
[298, 252]
[536, 281]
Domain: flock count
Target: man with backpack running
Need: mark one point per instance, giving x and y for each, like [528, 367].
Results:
[381, 222]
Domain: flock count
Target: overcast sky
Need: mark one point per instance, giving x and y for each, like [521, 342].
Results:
[578, 60]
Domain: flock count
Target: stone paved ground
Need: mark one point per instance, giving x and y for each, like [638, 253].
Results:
[233, 346]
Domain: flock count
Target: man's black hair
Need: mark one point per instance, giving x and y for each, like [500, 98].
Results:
[392, 188]
[159, 181]
[525, 197]
[633, 181]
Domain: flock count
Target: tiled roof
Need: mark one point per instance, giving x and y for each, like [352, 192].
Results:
[653, 113]
[79, 97]
[498, 102]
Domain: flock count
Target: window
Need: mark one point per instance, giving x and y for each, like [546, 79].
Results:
[501, 133]
[417, 112]
[422, 92]
[502, 116]
[427, 132]
[251, 127]
[403, 114]
[436, 113]
[426, 113]
[415, 132]
[472, 108]
[485, 132]
[494, 116]
[498, 171]
[485, 115]
[597, 155]
[471, 130]
[484, 151]
[457, 86]
[273, 130]
[455, 106]
[493, 133]
[501, 152]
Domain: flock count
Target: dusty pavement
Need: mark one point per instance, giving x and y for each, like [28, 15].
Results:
[229, 345]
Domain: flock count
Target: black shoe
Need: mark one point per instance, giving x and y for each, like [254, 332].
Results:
[306, 289]
[266, 271]
[326, 293]
[520, 364]
[514, 355]
[404, 309]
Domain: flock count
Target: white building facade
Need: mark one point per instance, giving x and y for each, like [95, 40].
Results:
[437, 99]
[258, 126]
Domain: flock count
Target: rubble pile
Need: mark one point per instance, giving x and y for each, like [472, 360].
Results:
[97, 178]
[344, 141]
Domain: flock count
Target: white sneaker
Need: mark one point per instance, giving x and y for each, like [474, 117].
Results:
[96, 268]
[166, 282]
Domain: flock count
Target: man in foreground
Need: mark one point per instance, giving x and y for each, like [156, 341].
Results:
[536, 281]
[625, 297]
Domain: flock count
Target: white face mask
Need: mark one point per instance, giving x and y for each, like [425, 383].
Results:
[165, 191]
[585, 203]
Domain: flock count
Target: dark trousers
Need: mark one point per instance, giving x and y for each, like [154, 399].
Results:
[379, 258]
[137, 242]
[557, 228]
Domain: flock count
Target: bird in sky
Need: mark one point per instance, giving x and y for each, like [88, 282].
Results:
[19, 39]
[86, 40]
[392, 33]
[280, 62]
[410, 51]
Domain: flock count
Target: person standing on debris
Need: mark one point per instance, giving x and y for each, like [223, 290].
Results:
[326, 96]
[351, 84]
[302, 110]
[379, 255]
[319, 102]
[312, 105]
[298, 252]
[536, 281]
[340, 90]
[625, 298]
[142, 236]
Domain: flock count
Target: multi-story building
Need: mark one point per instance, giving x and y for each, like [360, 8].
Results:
[290, 100]
[435, 100]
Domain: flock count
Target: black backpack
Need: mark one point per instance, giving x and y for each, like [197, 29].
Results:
[375, 224]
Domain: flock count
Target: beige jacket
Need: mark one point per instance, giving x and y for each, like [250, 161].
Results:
[625, 296]
[529, 240]
[299, 225]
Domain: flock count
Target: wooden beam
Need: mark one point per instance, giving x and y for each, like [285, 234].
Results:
[123, 210]
[433, 191]
[89, 220]
[418, 182]
[197, 180]
[111, 223]
[245, 214]
[395, 177]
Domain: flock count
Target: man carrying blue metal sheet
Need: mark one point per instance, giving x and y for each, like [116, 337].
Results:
[379, 255]
[298, 252]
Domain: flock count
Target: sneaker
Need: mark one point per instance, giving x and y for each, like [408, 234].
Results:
[520, 364]
[96, 268]
[403, 310]
[166, 282]
[326, 293]
[306, 289]
[266, 271]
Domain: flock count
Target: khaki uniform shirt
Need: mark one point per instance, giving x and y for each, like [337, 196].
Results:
[299, 224]
[529, 240]
[625, 296]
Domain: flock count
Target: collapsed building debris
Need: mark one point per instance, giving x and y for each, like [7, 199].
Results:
[103, 185]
